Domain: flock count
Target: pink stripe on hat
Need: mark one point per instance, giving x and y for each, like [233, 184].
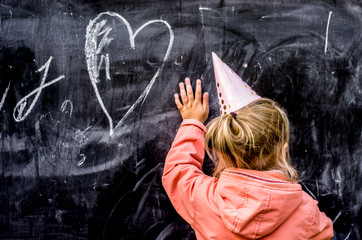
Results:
[232, 91]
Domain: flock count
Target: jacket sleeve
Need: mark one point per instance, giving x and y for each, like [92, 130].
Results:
[182, 173]
[321, 226]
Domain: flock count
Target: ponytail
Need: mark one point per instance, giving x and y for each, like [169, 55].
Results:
[253, 137]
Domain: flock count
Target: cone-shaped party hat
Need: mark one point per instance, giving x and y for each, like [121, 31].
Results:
[232, 91]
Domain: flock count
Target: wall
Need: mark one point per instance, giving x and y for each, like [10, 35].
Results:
[87, 112]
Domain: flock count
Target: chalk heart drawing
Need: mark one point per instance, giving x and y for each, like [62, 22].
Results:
[95, 59]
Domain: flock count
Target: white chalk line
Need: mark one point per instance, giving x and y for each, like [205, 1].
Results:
[108, 75]
[201, 9]
[327, 30]
[349, 234]
[20, 106]
[80, 163]
[92, 49]
[63, 108]
[309, 191]
[106, 58]
[4, 96]
[338, 215]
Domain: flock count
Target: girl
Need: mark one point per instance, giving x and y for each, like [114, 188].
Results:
[253, 193]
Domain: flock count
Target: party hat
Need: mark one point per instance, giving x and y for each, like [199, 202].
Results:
[232, 91]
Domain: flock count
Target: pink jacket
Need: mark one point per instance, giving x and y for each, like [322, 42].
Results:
[241, 204]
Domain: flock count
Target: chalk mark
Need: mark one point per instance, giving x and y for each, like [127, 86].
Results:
[4, 96]
[138, 184]
[309, 191]
[111, 214]
[166, 232]
[144, 198]
[80, 136]
[201, 9]
[316, 182]
[20, 106]
[63, 108]
[202, 14]
[92, 49]
[327, 30]
[82, 160]
[349, 234]
[338, 215]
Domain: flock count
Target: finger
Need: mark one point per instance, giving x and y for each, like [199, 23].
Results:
[205, 101]
[190, 92]
[178, 102]
[183, 94]
[198, 91]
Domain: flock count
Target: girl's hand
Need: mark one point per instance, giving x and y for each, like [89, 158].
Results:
[192, 107]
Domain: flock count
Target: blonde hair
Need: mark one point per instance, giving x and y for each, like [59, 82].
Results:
[254, 139]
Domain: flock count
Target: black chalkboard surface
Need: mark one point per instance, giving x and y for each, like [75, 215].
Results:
[87, 112]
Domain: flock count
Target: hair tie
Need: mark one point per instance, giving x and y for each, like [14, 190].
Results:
[233, 114]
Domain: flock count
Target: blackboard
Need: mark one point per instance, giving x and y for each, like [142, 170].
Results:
[87, 112]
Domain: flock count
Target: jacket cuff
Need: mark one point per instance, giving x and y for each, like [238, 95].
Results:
[195, 123]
